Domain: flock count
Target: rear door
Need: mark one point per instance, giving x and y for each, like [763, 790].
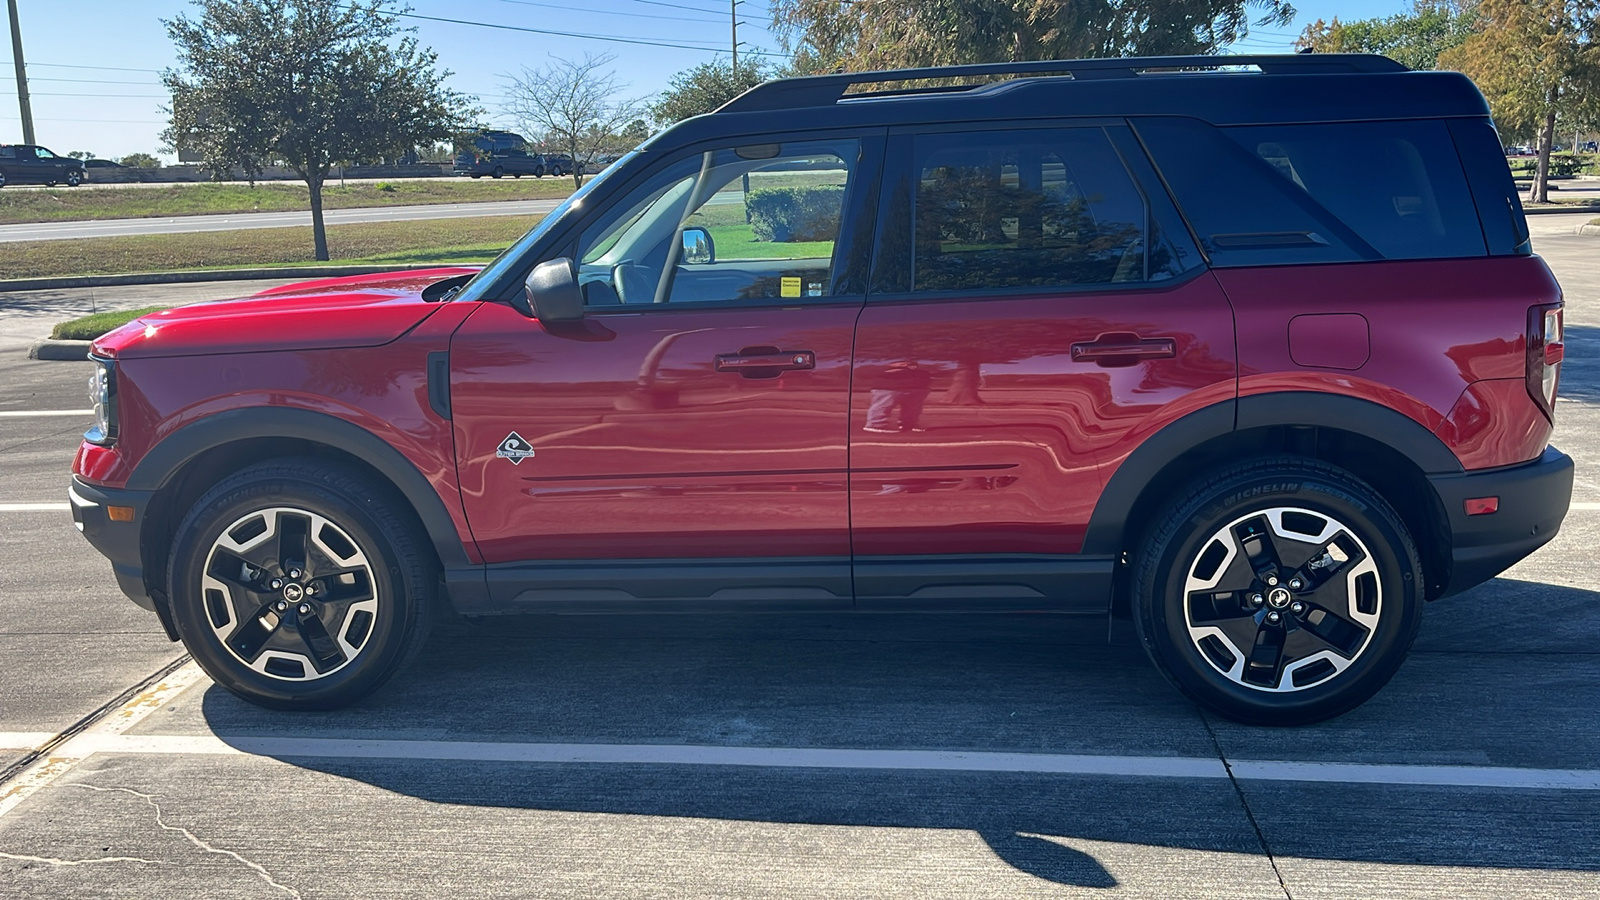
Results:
[687, 440]
[1034, 314]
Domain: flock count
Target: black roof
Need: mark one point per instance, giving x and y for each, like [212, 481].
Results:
[1222, 90]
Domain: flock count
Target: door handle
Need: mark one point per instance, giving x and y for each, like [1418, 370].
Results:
[1123, 348]
[765, 362]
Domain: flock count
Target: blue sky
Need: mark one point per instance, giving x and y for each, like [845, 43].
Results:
[95, 82]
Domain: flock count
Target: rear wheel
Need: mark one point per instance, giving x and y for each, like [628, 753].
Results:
[498, 172]
[1278, 592]
[298, 585]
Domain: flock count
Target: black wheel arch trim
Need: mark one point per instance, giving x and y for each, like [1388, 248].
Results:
[1108, 524]
[179, 448]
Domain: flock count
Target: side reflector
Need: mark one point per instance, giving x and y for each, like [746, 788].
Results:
[1482, 506]
[125, 513]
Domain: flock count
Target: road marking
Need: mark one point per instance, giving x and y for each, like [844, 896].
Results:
[27, 413]
[1587, 506]
[65, 754]
[23, 740]
[35, 507]
[815, 758]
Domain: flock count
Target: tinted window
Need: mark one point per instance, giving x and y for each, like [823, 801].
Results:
[752, 223]
[1012, 209]
[8, 153]
[1397, 184]
[43, 153]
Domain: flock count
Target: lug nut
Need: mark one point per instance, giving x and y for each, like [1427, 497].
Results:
[1296, 585]
[303, 609]
[1297, 607]
[281, 606]
[1256, 600]
[1273, 617]
[294, 573]
[277, 584]
[1272, 581]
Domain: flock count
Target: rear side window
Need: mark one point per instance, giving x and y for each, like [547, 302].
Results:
[1398, 185]
[8, 153]
[1281, 194]
[1017, 209]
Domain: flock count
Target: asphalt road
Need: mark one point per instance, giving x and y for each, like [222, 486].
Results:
[792, 756]
[60, 231]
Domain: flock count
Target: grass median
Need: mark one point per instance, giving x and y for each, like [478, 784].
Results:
[86, 203]
[438, 240]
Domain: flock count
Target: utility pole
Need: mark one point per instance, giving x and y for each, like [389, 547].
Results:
[22, 76]
[733, 17]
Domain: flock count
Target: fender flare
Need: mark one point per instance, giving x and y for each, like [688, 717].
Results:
[182, 446]
[1303, 408]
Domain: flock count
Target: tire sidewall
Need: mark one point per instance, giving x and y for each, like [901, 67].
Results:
[240, 496]
[1164, 627]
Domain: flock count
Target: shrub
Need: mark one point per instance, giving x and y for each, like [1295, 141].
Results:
[386, 187]
[795, 213]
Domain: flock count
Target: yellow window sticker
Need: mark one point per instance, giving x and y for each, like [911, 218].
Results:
[790, 286]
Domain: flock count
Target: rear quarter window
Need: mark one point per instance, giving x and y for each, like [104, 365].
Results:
[1338, 192]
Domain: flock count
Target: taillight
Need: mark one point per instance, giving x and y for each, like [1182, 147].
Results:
[1545, 352]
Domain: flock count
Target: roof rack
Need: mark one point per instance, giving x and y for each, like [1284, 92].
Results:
[826, 90]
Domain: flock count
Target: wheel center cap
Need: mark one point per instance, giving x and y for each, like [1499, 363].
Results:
[293, 592]
[1277, 598]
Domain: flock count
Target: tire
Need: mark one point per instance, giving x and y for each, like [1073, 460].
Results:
[74, 179]
[498, 172]
[476, 176]
[287, 522]
[1218, 609]
[538, 171]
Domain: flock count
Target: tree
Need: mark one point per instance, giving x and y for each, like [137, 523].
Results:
[1535, 61]
[1414, 39]
[887, 34]
[140, 161]
[576, 106]
[80, 154]
[703, 89]
[305, 81]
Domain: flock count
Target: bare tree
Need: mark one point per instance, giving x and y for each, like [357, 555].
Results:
[576, 105]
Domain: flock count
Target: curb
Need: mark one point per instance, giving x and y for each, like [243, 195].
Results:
[1558, 211]
[96, 281]
[1589, 229]
[49, 348]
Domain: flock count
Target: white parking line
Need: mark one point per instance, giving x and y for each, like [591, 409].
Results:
[23, 740]
[29, 413]
[34, 507]
[1585, 506]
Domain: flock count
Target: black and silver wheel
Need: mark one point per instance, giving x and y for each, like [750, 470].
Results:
[297, 585]
[74, 178]
[1279, 592]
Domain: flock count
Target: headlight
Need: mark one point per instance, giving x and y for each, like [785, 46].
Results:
[103, 396]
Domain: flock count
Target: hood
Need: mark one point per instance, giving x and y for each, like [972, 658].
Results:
[358, 311]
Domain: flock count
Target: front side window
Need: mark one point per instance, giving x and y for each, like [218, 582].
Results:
[42, 153]
[1019, 209]
[753, 223]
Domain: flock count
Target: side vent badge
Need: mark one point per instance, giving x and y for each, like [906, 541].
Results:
[515, 449]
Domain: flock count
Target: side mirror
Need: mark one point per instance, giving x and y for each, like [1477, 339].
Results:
[552, 292]
[698, 248]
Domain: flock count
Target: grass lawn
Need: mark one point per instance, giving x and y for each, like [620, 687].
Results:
[736, 240]
[441, 240]
[84, 203]
[90, 327]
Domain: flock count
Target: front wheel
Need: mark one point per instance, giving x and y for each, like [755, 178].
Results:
[498, 172]
[299, 585]
[1278, 592]
[74, 179]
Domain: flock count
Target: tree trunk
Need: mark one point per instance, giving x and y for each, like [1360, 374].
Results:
[577, 166]
[1540, 192]
[319, 232]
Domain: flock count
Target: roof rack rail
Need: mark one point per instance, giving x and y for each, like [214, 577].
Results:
[826, 90]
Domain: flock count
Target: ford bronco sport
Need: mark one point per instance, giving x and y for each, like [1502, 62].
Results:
[1251, 349]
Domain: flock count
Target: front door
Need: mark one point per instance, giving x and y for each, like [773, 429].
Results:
[1034, 314]
[687, 439]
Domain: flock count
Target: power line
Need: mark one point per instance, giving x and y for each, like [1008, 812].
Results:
[575, 34]
[607, 12]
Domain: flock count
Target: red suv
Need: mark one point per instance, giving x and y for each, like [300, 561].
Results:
[1257, 355]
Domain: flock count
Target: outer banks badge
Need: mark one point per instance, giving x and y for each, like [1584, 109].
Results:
[515, 449]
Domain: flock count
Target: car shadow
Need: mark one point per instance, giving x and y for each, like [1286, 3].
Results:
[980, 683]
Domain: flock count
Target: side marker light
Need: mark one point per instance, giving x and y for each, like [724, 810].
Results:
[1482, 506]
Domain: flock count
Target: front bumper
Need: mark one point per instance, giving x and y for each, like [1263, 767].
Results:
[1533, 500]
[117, 541]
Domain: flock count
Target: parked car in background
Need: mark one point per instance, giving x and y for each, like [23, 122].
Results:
[516, 163]
[93, 163]
[32, 164]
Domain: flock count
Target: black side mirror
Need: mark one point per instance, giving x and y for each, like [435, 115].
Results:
[698, 248]
[552, 292]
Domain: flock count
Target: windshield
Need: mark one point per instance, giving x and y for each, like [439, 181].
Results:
[509, 257]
